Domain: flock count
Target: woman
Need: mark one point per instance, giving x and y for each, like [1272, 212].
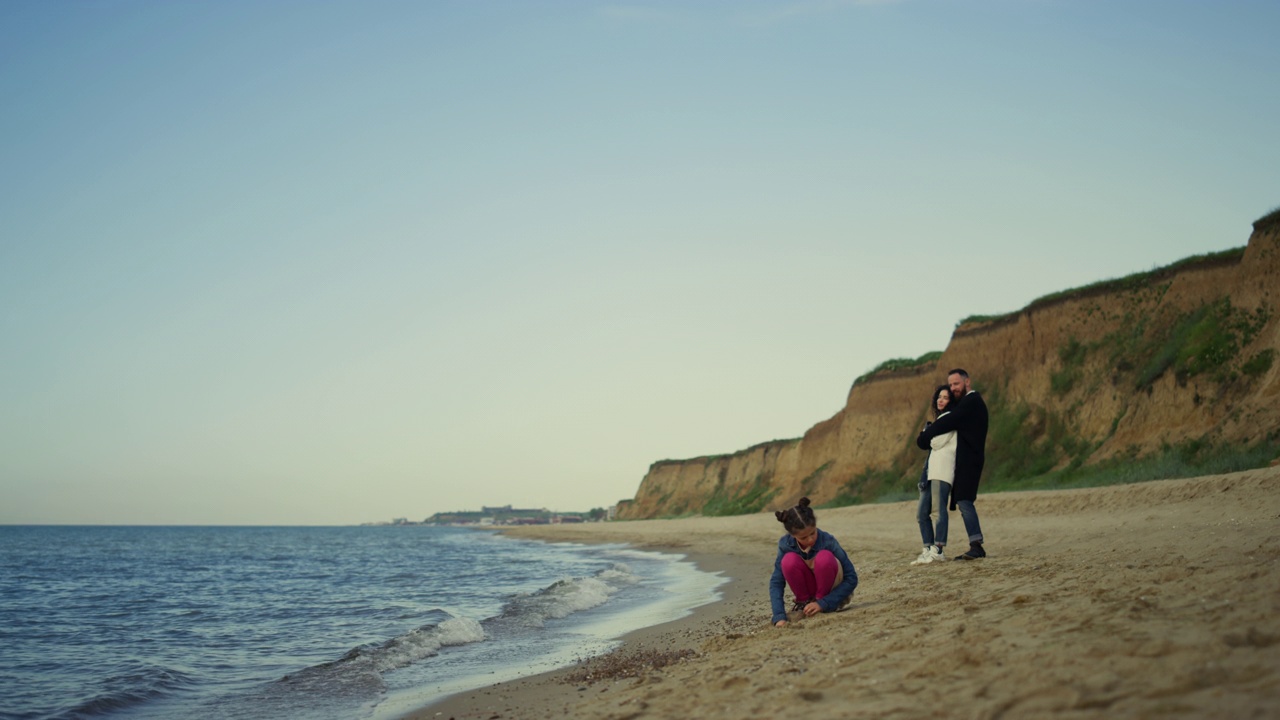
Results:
[935, 483]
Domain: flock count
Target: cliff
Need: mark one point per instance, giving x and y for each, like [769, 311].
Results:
[1175, 363]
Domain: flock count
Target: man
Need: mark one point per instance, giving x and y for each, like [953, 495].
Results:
[969, 420]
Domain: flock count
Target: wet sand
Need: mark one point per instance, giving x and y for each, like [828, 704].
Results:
[1157, 600]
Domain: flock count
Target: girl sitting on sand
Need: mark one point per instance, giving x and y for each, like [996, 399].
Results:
[935, 483]
[812, 562]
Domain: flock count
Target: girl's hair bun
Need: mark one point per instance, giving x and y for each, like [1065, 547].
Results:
[798, 517]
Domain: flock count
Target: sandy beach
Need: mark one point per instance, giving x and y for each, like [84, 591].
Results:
[1158, 600]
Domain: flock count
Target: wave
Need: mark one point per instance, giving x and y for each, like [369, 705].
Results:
[564, 597]
[415, 645]
[364, 665]
[350, 685]
[130, 690]
[353, 684]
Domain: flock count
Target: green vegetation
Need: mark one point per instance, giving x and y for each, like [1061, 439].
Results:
[1188, 459]
[1204, 341]
[1259, 364]
[1031, 467]
[1131, 282]
[894, 495]
[1072, 356]
[725, 456]
[1025, 441]
[809, 484]
[929, 358]
[753, 500]
[984, 318]
[1268, 219]
[869, 483]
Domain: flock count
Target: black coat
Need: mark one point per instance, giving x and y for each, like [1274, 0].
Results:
[969, 420]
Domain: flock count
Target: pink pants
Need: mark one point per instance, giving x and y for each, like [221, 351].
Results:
[811, 583]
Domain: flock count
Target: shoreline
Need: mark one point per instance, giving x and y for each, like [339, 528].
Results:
[1152, 599]
[545, 694]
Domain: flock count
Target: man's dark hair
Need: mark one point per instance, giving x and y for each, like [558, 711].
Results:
[960, 372]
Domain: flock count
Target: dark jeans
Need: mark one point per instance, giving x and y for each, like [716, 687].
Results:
[970, 517]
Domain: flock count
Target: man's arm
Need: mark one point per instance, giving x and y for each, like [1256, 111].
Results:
[953, 420]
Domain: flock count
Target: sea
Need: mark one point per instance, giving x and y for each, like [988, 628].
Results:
[307, 623]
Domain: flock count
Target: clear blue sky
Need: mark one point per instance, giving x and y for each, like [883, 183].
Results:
[298, 262]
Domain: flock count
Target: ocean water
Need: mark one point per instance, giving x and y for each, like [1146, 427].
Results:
[306, 623]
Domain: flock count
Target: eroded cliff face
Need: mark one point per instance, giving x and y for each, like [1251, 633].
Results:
[1120, 370]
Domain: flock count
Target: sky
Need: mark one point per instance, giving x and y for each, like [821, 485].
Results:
[340, 262]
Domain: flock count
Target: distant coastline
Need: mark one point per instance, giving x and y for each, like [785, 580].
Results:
[504, 515]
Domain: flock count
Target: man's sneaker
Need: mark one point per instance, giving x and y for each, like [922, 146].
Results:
[975, 552]
[923, 557]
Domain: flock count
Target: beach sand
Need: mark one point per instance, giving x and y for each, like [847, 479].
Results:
[1158, 600]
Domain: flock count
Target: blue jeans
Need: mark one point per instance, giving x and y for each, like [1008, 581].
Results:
[925, 511]
[970, 517]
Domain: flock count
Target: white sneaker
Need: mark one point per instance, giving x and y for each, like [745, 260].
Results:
[933, 553]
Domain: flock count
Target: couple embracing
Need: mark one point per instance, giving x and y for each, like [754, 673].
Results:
[956, 441]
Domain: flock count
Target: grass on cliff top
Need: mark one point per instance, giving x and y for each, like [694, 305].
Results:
[1128, 282]
[929, 358]
[1268, 219]
[722, 456]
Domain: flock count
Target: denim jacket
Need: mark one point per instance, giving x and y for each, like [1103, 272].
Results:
[825, 541]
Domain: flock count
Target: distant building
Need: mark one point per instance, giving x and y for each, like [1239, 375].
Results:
[508, 510]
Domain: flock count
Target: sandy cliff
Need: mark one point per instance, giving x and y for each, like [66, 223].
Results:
[1181, 357]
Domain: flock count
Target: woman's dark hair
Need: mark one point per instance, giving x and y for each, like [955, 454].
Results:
[933, 399]
[798, 517]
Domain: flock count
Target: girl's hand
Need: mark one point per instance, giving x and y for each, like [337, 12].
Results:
[780, 623]
[812, 609]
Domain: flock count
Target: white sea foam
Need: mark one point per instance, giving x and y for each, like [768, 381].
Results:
[559, 600]
[560, 624]
[425, 642]
[619, 574]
